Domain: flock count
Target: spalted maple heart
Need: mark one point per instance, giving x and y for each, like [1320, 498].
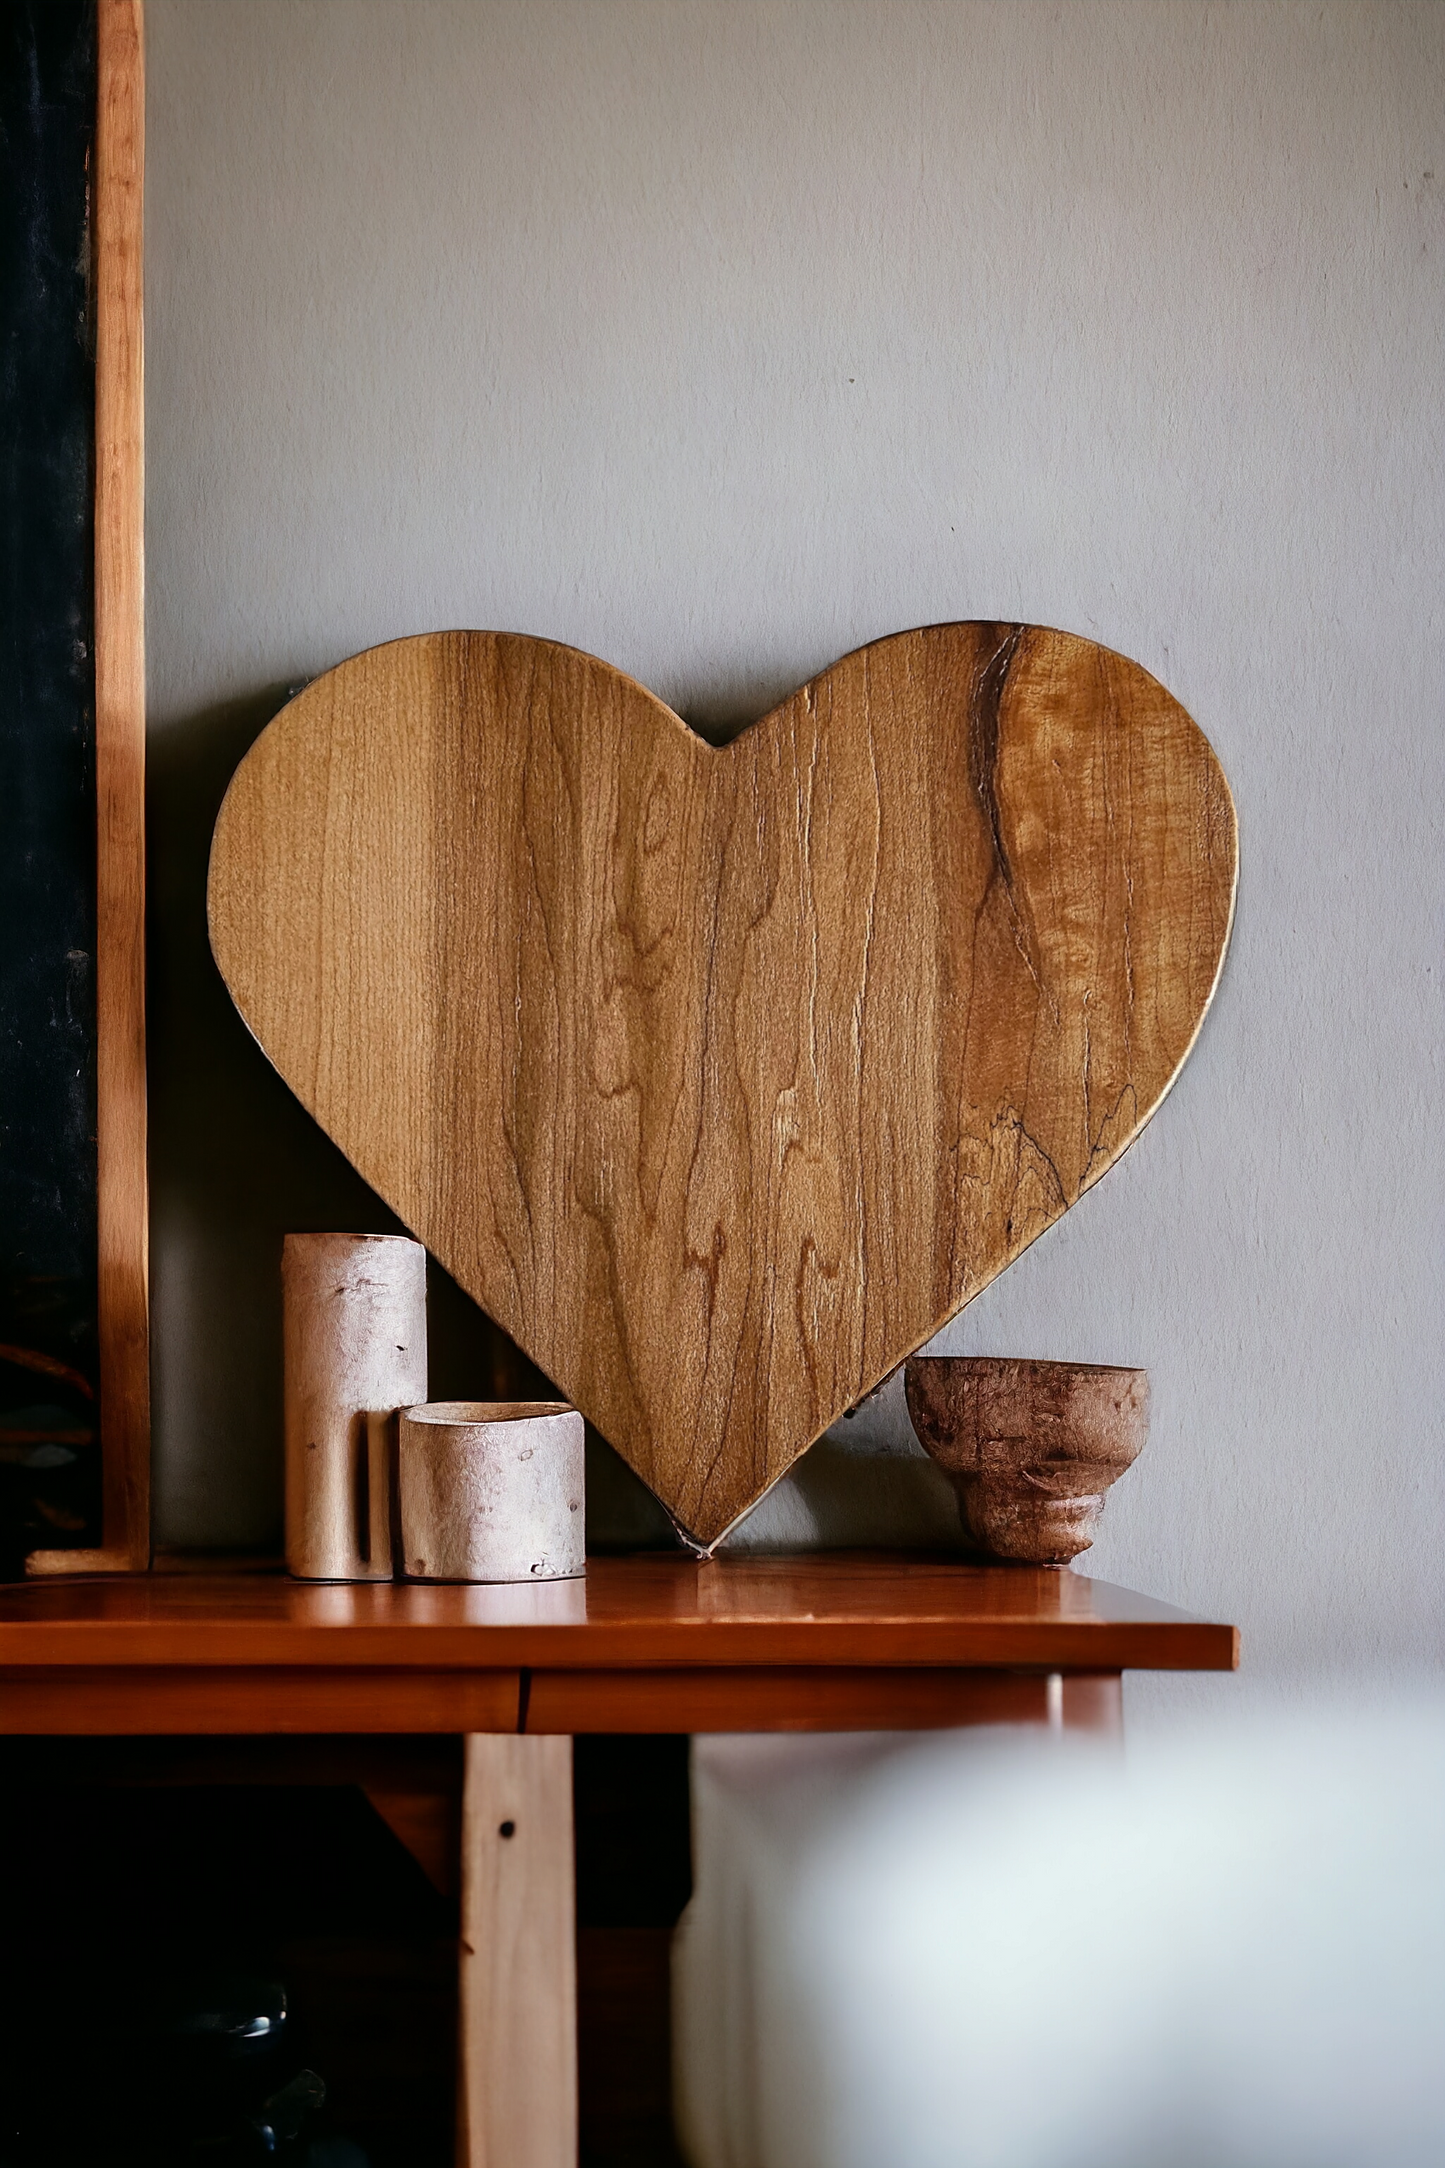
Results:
[722, 1077]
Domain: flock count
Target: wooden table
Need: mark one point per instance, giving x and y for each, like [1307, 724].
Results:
[649, 1643]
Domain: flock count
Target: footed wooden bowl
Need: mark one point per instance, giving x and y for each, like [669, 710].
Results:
[1029, 1447]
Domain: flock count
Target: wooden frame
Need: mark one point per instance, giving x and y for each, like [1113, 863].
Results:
[119, 649]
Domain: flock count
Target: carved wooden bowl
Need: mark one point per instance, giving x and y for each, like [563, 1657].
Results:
[1029, 1447]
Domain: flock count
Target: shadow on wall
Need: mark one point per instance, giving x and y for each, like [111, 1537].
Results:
[854, 1491]
[236, 1162]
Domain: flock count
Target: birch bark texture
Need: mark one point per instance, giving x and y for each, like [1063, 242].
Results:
[492, 1490]
[723, 1076]
[354, 1333]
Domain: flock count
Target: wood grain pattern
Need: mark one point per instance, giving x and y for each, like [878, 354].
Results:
[122, 1193]
[518, 2060]
[649, 1612]
[1029, 1447]
[786, 1697]
[722, 1078]
[158, 1701]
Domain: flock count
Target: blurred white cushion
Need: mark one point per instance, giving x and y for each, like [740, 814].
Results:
[1219, 1948]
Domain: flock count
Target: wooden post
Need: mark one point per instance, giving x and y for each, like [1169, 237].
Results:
[120, 718]
[517, 2100]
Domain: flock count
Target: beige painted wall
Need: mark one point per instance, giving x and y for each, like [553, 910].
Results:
[719, 338]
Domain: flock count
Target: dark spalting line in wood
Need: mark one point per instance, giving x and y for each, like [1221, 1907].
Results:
[985, 701]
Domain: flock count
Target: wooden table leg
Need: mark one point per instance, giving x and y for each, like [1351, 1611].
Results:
[1087, 1701]
[517, 2105]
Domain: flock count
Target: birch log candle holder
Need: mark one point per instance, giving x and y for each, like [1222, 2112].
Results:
[492, 1490]
[355, 1352]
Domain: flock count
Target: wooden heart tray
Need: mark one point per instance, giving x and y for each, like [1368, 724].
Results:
[722, 1078]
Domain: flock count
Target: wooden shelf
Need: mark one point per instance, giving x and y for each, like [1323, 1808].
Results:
[651, 1609]
[650, 1643]
[655, 1642]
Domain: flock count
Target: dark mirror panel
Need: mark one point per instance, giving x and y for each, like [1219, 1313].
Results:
[49, 1430]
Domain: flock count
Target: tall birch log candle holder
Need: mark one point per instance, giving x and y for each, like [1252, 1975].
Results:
[354, 1330]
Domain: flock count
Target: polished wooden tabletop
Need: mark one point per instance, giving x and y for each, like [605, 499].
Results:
[653, 1610]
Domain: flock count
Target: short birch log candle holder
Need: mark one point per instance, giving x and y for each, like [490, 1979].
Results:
[354, 1318]
[492, 1490]
[1029, 1447]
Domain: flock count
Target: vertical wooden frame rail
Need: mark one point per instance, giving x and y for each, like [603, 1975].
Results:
[118, 176]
